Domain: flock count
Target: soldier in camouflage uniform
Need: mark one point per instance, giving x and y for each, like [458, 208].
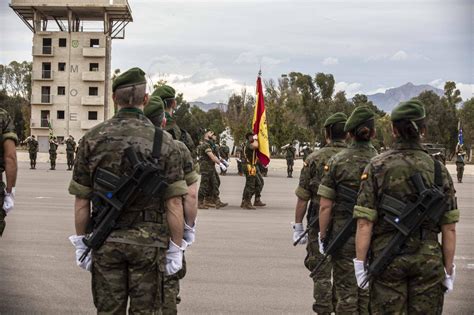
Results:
[460, 156]
[33, 148]
[306, 151]
[70, 149]
[239, 155]
[414, 282]
[253, 179]
[345, 169]
[214, 199]
[310, 178]
[155, 112]
[290, 157]
[53, 148]
[8, 164]
[208, 186]
[128, 269]
[224, 153]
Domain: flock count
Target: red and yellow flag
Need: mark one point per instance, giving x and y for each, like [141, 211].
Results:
[259, 125]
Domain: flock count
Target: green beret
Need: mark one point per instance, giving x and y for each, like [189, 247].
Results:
[154, 108]
[134, 76]
[165, 92]
[338, 117]
[411, 110]
[359, 116]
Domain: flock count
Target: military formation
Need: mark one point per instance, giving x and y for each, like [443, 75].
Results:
[372, 220]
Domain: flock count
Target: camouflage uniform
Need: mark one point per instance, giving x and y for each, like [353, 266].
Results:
[253, 179]
[412, 283]
[306, 152]
[239, 154]
[346, 168]
[310, 178]
[70, 149]
[33, 151]
[130, 264]
[460, 165]
[8, 132]
[53, 148]
[224, 153]
[290, 159]
[208, 172]
[216, 181]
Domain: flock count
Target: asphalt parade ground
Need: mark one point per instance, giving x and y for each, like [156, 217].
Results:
[242, 262]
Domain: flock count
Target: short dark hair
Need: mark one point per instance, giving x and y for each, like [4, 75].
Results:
[409, 130]
[336, 131]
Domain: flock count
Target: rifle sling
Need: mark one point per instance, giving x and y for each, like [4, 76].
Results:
[157, 142]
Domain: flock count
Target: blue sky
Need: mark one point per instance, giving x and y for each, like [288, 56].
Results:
[208, 49]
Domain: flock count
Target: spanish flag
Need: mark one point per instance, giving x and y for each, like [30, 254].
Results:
[259, 125]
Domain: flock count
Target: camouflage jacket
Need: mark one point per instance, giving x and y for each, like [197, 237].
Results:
[190, 175]
[313, 170]
[33, 145]
[345, 168]
[8, 132]
[290, 153]
[205, 162]
[70, 145]
[103, 146]
[249, 154]
[224, 152]
[389, 173]
[53, 147]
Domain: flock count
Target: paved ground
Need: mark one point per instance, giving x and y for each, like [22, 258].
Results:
[242, 262]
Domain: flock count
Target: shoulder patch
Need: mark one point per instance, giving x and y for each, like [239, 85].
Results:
[364, 176]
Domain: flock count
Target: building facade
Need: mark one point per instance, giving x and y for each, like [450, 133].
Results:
[71, 86]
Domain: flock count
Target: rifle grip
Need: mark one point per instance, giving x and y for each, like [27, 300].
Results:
[132, 156]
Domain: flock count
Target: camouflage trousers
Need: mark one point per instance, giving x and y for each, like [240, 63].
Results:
[171, 291]
[33, 158]
[460, 171]
[253, 184]
[350, 298]
[411, 284]
[124, 273]
[70, 158]
[322, 287]
[209, 185]
[3, 214]
[52, 159]
[289, 166]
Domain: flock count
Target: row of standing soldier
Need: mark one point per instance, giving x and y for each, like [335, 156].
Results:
[33, 148]
[377, 266]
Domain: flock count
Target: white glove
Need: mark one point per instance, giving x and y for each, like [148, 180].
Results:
[222, 166]
[361, 274]
[255, 137]
[321, 245]
[9, 201]
[189, 233]
[76, 240]
[174, 258]
[225, 163]
[448, 281]
[297, 232]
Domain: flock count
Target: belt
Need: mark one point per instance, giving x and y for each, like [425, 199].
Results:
[127, 219]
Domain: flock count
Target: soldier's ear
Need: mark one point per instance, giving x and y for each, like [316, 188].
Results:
[145, 99]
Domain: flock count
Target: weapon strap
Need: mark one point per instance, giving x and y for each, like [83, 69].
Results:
[157, 141]
[438, 176]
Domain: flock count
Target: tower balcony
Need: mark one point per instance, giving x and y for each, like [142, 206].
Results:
[95, 76]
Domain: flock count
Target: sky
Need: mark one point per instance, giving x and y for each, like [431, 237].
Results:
[210, 49]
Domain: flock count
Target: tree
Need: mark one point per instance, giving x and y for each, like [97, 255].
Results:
[452, 95]
[16, 78]
[325, 83]
[466, 115]
[238, 116]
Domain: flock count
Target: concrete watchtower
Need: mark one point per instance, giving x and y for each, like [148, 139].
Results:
[71, 88]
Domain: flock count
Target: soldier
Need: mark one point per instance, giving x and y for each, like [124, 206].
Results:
[460, 155]
[128, 269]
[207, 162]
[214, 199]
[32, 150]
[342, 174]
[70, 149]
[8, 164]
[306, 151]
[310, 178]
[253, 179]
[290, 157]
[155, 112]
[224, 153]
[53, 148]
[238, 156]
[415, 279]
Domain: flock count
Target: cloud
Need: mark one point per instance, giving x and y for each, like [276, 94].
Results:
[351, 89]
[399, 56]
[330, 61]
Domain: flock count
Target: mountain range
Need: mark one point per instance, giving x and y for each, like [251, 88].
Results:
[385, 101]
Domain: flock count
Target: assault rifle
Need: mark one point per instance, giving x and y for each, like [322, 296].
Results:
[145, 180]
[407, 218]
[349, 199]
[311, 224]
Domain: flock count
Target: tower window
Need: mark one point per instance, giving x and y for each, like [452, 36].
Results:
[62, 42]
[95, 43]
[92, 115]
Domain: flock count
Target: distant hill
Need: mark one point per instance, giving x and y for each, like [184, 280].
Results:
[392, 97]
[207, 106]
